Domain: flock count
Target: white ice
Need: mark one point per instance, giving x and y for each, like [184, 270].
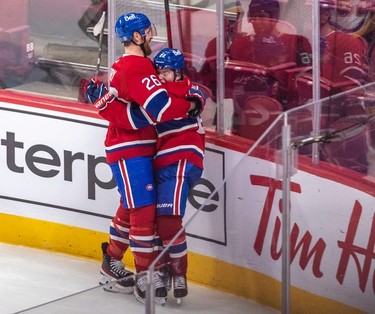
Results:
[39, 281]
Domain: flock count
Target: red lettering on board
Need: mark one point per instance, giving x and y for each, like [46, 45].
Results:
[304, 245]
[361, 256]
[350, 250]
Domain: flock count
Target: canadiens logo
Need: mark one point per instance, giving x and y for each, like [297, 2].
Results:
[149, 187]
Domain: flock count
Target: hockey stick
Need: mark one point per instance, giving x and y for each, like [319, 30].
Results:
[97, 30]
[335, 136]
[168, 22]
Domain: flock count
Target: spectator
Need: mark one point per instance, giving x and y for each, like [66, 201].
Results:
[267, 45]
[344, 55]
[260, 59]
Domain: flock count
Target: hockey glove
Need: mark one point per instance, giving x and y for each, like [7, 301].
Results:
[97, 93]
[197, 96]
[94, 90]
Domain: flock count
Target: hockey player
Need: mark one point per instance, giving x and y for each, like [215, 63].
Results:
[130, 142]
[178, 165]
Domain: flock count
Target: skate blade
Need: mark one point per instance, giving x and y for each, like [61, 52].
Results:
[116, 288]
[161, 301]
[143, 301]
[111, 285]
[105, 279]
[179, 301]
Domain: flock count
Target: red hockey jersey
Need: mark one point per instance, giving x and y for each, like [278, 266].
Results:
[179, 138]
[133, 79]
[344, 57]
[270, 50]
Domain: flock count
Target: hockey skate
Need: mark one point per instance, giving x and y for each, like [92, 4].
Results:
[115, 277]
[180, 289]
[140, 287]
[166, 277]
[160, 290]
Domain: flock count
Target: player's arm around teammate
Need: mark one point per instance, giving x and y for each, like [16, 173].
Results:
[129, 147]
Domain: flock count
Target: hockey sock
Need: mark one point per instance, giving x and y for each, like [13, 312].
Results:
[141, 236]
[163, 261]
[167, 227]
[119, 233]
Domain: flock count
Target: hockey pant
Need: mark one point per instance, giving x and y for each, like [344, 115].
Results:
[173, 185]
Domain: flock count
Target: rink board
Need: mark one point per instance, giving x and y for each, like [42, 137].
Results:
[57, 193]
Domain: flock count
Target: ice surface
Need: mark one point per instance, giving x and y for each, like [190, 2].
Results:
[38, 281]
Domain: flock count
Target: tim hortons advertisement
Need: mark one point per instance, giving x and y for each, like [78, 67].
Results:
[332, 230]
[53, 168]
